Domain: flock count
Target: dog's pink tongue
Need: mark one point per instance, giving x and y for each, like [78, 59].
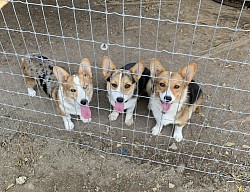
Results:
[165, 106]
[119, 107]
[85, 112]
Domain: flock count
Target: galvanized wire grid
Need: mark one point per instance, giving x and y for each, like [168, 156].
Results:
[201, 150]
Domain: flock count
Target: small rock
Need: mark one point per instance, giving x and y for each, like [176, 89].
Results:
[229, 144]
[246, 26]
[171, 185]
[173, 146]
[118, 145]
[21, 180]
[246, 146]
[9, 186]
[216, 43]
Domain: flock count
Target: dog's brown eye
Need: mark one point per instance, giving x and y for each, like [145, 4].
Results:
[177, 86]
[127, 86]
[162, 84]
[73, 90]
[114, 85]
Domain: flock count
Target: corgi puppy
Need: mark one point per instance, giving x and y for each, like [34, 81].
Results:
[174, 96]
[124, 86]
[72, 93]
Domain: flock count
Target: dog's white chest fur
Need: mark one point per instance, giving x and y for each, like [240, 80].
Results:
[165, 118]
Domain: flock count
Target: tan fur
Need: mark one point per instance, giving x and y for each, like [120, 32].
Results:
[30, 82]
[107, 66]
[137, 70]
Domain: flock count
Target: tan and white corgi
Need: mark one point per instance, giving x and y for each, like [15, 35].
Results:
[124, 86]
[174, 97]
[71, 93]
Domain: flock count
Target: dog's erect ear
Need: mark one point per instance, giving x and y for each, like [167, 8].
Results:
[107, 65]
[189, 71]
[137, 70]
[156, 67]
[61, 74]
[85, 68]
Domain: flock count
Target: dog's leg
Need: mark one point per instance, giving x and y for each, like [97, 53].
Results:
[156, 130]
[186, 114]
[178, 133]
[113, 116]
[30, 82]
[149, 106]
[129, 113]
[129, 116]
[69, 125]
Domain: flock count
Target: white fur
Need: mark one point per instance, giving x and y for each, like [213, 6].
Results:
[31, 92]
[169, 117]
[69, 125]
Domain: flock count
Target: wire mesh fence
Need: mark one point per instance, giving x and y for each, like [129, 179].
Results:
[215, 37]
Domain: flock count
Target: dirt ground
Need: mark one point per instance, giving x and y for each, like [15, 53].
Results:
[109, 156]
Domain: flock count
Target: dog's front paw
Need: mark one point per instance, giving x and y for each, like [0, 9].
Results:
[86, 120]
[69, 125]
[31, 92]
[113, 116]
[129, 122]
[156, 130]
[178, 136]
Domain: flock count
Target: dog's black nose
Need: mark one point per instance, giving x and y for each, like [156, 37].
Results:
[119, 99]
[168, 98]
[84, 102]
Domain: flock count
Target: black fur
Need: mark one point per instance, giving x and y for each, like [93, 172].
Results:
[142, 81]
[42, 68]
[108, 79]
[42, 83]
[194, 92]
[42, 57]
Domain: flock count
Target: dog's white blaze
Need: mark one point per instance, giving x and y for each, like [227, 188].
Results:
[162, 95]
[81, 93]
[117, 92]
[169, 93]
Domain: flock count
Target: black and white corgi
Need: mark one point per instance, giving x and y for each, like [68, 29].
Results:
[174, 96]
[71, 93]
[124, 85]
